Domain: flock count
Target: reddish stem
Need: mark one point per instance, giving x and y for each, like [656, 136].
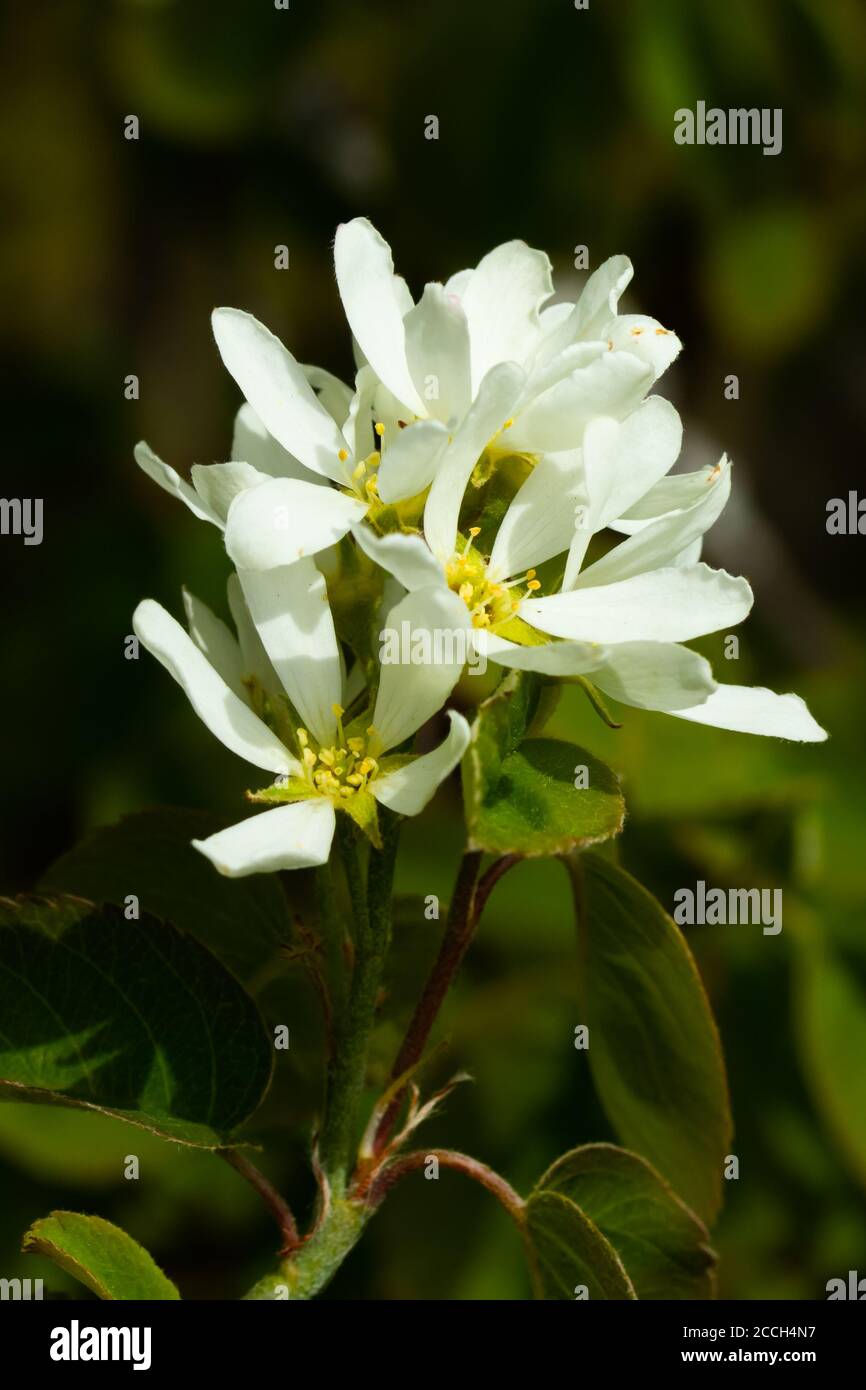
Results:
[466, 907]
[277, 1205]
[448, 1158]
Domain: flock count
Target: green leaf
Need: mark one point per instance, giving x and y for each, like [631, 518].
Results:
[130, 1018]
[831, 1002]
[663, 1246]
[566, 1250]
[150, 854]
[528, 803]
[100, 1255]
[654, 1050]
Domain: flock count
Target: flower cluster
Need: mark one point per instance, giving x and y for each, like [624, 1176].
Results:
[471, 480]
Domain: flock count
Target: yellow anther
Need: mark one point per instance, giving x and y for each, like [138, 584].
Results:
[303, 738]
[379, 428]
[635, 332]
[355, 779]
[347, 791]
[662, 332]
[530, 574]
[309, 757]
[371, 731]
[343, 455]
[474, 531]
[534, 584]
[356, 745]
[508, 423]
[465, 591]
[326, 756]
[337, 711]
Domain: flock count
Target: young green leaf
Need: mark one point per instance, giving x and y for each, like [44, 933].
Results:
[548, 797]
[569, 1253]
[533, 796]
[100, 1255]
[130, 1018]
[654, 1050]
[663, 1246]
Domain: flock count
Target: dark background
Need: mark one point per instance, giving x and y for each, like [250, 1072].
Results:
[262, 127]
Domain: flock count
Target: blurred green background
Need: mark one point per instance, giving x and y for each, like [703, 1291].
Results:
[262, 127]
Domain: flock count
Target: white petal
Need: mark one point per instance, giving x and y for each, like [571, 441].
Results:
[290, 609]
[654, 675]
[647, 339]
[550, 658]
[624, 460]
[601, 295]
[331, 392]
[594, 312]
[667, 605]
[408, 558]
[408, 790]
[358, 426]
[490, 410]
[750, 709]
[297, 836]
[374, 300]
[613, 384]
[432, 629]
[218, 484]
[278, 391]
[252, 444]
[227, 717]
[547, 374]
[501, 302]
[665, 497]
[437, 349]
[284, 519]
[409, 465]
[541, 518]
[213, 637]
[254, 659]
[664, 542]
[172, 482]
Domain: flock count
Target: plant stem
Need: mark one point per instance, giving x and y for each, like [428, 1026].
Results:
[348, 1065]
[332, 936]
[467, 904]
[449, 1158]
[277, 1205]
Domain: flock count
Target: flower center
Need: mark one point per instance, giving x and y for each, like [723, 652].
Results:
[489, 601]
[338, 771]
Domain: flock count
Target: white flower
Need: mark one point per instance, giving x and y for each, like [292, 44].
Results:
[441, 383]
[435, 358]
[287, 647]
[622, 619]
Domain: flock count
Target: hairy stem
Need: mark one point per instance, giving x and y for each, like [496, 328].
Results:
[348, 1065]
[277, 1205]
[449, 1158]
[464, 912]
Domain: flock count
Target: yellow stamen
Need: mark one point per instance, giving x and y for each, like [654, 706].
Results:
[379, 428]
[343, 455]
[534, 584]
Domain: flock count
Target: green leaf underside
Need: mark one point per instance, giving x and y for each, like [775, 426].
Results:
[831, 999]
[570, 1251]
[100, 1255]
[131, 1018]
[243, 921]
[533, 806]
[654, 1050]
[663, 1246]
[519, 793]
